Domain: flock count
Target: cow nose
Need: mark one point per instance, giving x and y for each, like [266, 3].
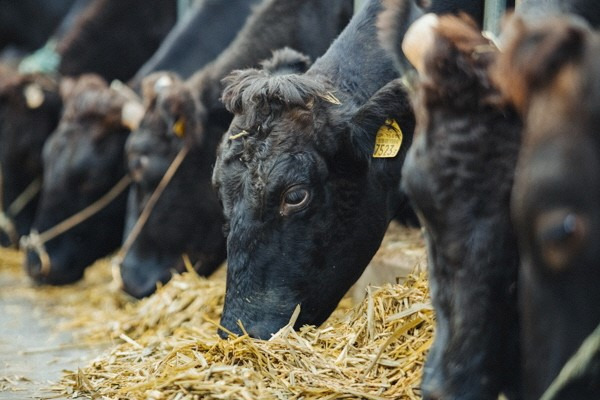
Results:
[259, 330]
[431, 393]
[262, 330]
[432, 387]
[33, 265]
[137, 166]
[140, 276]
[4, 239]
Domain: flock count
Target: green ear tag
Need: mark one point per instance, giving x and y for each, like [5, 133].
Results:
[388, 140]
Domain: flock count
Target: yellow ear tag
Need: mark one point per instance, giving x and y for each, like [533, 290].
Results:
[179, 128]
[388, 140]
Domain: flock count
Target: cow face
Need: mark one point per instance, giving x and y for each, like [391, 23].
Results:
[187, 217]
[458, 175]
[29, 111]
[83, 160]
[306, 206]
[549, 70]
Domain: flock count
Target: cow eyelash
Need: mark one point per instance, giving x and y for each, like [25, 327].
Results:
[294, 199]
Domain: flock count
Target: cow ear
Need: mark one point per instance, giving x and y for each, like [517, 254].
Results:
[393, 23]
[379, 126]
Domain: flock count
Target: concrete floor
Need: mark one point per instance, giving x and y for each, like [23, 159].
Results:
[32, 352]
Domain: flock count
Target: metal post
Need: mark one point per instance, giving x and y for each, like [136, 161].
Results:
[357, 4]
[183, 6]
[493, 12]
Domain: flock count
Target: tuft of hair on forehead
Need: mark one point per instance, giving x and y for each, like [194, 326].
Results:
[464, 34]
[456, 68]
[254, 90]
[155, 83]
[90, 97]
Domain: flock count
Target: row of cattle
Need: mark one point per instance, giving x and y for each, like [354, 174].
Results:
[303, 166]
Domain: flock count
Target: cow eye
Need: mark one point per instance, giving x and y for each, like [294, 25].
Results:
[294, 199]
[560, 234]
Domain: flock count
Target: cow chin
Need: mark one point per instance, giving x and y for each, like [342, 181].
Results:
[463, 381]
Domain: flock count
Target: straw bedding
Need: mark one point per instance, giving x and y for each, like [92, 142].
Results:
[166, 346]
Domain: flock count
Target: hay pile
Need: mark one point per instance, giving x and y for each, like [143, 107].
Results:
[166, 347]
[170, 350]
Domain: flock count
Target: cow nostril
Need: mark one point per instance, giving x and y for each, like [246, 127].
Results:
[431, 387]
[137, 166]
[432, 394]
[33, 264]
[223, 334]
[5, 239]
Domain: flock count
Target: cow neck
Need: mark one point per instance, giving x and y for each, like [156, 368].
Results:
[36, 241]
[355, 64]
[208, 17]
[261, 34]
[135, 231]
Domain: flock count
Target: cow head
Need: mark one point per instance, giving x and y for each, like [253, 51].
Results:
[306, 204]
[549, 71]
[459, 174]
[83, 160]
[29, 111]
[187, 217]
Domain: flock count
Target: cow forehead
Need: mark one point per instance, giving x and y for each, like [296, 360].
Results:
[259, 164]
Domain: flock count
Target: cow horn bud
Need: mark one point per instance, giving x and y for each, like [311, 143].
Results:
[34, 95]
[132, 114]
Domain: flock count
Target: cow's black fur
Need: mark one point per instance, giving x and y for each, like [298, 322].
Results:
[113, 38]
[308, 26]
[306, 204]
[23, 130]
[458, 175]
[198, 38]
[83, 160]
[26, 24]
[550, 70]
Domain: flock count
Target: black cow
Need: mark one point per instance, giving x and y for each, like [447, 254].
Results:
[549, 69]
[198, 38]
[306, 202]
[29, 110]
[458, 175]
[83, 159]
[190, 113]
